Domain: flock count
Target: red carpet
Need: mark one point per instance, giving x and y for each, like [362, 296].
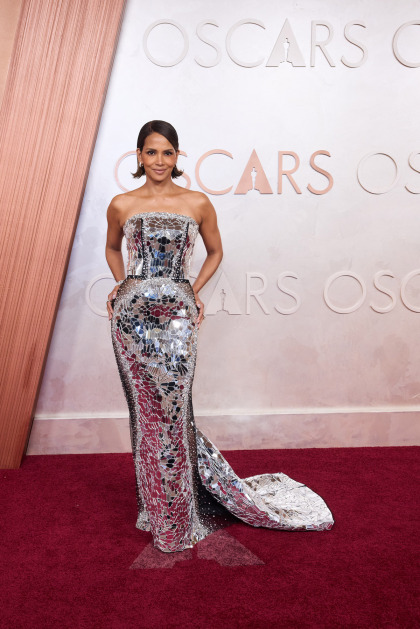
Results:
[72, 556]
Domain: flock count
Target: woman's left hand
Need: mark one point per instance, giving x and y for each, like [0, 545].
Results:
[200, 305]
[109, 304]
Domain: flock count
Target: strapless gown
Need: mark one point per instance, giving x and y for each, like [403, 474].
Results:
[185, 488]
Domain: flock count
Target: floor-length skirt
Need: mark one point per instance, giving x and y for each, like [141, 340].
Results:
[185, 488]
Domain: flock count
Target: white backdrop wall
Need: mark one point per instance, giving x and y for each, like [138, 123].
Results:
[311, 337]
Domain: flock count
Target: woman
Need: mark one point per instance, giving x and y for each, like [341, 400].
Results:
[185, 488]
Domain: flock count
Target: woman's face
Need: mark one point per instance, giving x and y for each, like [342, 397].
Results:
[158, 157]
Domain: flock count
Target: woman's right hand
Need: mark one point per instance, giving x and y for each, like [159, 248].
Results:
[112, 295]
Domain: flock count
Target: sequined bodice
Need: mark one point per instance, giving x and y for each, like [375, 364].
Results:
[160, 244]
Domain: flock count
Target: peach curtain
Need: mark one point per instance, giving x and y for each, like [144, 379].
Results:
[49, 118]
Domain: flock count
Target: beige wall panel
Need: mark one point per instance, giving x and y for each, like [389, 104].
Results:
[305, 429]
[48, 124]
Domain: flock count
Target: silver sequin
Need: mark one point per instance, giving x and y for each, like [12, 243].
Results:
[185, 488]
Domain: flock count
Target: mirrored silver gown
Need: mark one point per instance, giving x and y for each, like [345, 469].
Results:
[185, 488]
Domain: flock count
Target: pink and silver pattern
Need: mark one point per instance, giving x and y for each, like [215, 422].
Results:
[185, 488]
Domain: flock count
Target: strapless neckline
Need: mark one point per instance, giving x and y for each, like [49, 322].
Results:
[137, 214]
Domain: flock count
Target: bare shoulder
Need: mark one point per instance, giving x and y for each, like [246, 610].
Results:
[119, 207]
[200, 205]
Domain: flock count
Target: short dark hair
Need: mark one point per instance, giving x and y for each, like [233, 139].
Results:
[165, 129]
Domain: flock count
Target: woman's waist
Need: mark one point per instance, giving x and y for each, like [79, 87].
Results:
[157, 278]
[159, 284]
[154, 289]
[174, 269]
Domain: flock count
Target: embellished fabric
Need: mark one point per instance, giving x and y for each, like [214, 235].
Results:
[185, 488]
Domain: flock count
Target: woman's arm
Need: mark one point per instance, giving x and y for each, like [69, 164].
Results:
[213, 243]
[113, 250]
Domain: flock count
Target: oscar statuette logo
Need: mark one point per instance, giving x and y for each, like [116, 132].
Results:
[377, 172]
[253, 176]
[166, 43]
[338, 293]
